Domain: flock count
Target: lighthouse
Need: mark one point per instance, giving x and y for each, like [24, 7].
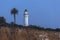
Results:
[26, 17]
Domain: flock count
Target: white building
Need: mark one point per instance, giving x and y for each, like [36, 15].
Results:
[26, 17]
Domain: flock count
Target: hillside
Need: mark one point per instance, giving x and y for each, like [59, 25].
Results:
[27, 33]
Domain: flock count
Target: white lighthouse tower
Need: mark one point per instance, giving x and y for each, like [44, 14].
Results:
[26, 17]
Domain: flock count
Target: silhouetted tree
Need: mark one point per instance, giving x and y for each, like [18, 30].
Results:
[14, 11]
[2, 21]
[57, 29]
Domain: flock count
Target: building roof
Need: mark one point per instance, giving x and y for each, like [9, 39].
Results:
[26, 10]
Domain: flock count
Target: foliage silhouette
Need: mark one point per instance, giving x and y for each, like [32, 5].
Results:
[14, 11]
[2, 21]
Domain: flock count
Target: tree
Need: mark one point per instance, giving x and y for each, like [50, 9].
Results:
[14, 11]
[2, 21]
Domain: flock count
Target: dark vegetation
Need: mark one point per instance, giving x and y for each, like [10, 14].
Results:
[3, 23]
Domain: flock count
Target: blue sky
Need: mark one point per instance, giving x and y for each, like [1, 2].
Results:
[45, 13]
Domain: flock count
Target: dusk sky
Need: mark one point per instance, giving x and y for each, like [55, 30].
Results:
[44, 13]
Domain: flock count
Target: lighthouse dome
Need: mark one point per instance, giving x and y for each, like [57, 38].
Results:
[26, 12]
